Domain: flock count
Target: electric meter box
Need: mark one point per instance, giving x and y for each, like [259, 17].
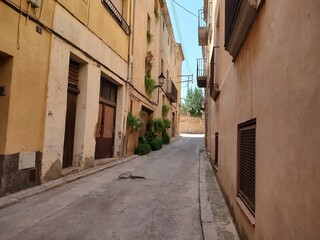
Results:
[35, 3]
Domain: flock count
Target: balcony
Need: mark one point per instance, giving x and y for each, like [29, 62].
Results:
[201, 73]
[171, 92]
[203, 29]
[117, 16]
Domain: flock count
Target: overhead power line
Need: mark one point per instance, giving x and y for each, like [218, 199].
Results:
[185, 9]
[180, 36]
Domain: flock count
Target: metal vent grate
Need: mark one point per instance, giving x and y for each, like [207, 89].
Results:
[247, 164]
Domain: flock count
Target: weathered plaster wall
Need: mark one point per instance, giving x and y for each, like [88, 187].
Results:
[87, 100]
[25, 101]
[275, 79]
[55, 111]
[94, 15]
[71, 29]
[191, 125]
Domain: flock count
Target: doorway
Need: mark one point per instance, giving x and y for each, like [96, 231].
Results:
[106, 120]
[173, 128]
[73, 91]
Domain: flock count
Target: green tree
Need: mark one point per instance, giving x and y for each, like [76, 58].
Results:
[193, 102]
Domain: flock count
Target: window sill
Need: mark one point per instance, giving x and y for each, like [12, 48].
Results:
[246, 212]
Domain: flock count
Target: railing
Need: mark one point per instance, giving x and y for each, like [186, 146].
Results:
[172, 92]
[201, 67]
[116, 15]
[201, 72]
[201, 19]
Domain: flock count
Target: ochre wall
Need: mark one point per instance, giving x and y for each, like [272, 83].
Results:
[275, 79]
[94, 15]
[192, 125]
[30, 58]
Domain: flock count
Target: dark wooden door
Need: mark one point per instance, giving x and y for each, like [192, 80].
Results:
[105, 131]
[173, 127]
[73, 91]
[70, 127]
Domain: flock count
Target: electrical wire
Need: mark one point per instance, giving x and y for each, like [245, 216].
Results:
[176, 20]
[185, 9]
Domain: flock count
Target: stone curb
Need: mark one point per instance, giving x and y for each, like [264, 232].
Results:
[17, 197]
[215, 215]
[206, 215]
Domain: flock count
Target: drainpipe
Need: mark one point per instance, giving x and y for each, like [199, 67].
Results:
[129, 74]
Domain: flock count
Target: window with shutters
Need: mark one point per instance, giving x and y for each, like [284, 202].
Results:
[239, 15]
[247, 164]
[216, 149]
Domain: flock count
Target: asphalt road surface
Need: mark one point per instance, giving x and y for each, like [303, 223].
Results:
[157, 197]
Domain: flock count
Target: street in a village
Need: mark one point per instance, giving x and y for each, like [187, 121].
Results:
[163, 195]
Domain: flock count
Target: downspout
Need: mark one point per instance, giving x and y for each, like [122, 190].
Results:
[129, 79]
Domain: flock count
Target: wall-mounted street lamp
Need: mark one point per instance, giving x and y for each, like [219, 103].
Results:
[161, 79]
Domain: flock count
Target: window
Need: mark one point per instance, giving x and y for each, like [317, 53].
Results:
[108, 91]
[230, 15]
[216, 149]
[247, 164]
[156, 10]
[214, 86]
[148, 23]
[239, 16]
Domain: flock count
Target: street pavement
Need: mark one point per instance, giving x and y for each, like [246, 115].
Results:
[167, 194]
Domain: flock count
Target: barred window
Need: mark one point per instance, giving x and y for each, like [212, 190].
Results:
[247, 163]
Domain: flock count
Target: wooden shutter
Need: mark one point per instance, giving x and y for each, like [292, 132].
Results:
[247, 163]
[73, 78]
[216, 155]
[230, 14]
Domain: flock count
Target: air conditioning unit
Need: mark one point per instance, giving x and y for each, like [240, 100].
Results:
[35, 3]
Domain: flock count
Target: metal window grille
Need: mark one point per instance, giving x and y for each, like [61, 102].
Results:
[116, 15]
[247, 163]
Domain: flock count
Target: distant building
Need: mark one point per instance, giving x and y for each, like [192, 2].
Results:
[259, 69]
[70, 71]
[155, 51]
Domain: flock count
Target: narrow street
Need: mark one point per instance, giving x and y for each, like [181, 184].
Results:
[156, 197]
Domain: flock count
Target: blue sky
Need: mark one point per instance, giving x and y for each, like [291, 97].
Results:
[185, 27]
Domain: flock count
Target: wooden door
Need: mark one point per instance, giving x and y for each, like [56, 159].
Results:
[106, 119]
[173, 127]
[105, 132]
[73, 91]
[69, 129]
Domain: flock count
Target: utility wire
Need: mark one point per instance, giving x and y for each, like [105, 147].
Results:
[176, 20]
[185, 9]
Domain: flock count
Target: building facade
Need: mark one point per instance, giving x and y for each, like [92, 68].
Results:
[262, 112]
[154, 52]
[68, 73]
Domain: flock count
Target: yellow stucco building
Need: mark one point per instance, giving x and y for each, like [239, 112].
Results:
[69, 75]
